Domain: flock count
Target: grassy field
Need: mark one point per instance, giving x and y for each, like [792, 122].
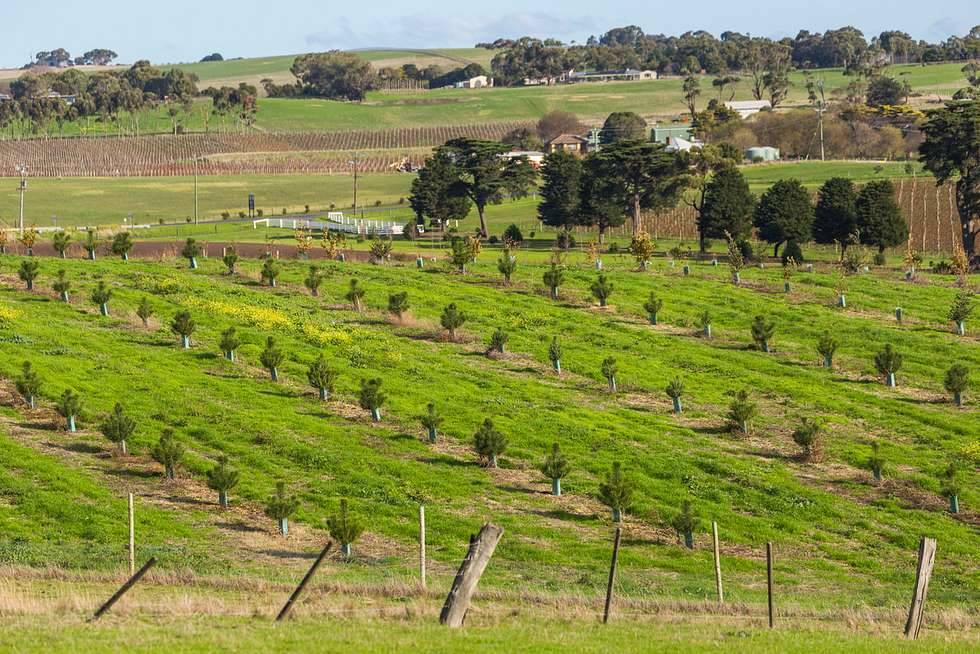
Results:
[108, 201]
[845, 545]
[657, 100]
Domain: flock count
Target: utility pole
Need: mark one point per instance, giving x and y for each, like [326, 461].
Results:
[196, 162]
[22, 169]
[821, 107]
[354, 163]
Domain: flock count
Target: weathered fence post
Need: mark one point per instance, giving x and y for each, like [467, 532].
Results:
[612, 575]
[422, 545]
[122, 589]
[714, 539]
[288, 606]
[772, 615]
[927, 557]
[468, 576]
[132, 537]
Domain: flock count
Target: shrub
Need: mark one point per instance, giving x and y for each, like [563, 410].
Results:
[507, 264]
[281, 506]
[489, 443]
[118, 427]
[270, 272]
[381, 250]
[602, 288]
[512, 235]
[949, 484]
[609, 370]
[827, 347]
[564, 240]
[230, 259]
[69, 405]
[554, 277]
[463, 251]
[355, 294]
[452, 319]
[616, 492]
[229, 343]
[313, 281]
[61, 285]
[887, 363]
[957, 380]
[740, 412]
[762, 331]
[222, 478]
[879, 259]
[29, 384]
[808, 436]
[168, 453]
[652, 306]
[344, 528]
[60, 242]
[91, 244]
[271, 358]
[322, 377]
[876, 463]
[554, 354]
[703, 323]
[642, 248]
[498, 341]
[675, 390]
[398, 304]
[792, 252]
[431, 420]
[29, 271]
[685, 523]
[183, 325]
[555, 467]
[371, 397]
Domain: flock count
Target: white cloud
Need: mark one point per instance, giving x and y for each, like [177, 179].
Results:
[426, 31]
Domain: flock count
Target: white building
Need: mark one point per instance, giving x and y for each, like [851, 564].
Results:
[746, 108]
[478, 82]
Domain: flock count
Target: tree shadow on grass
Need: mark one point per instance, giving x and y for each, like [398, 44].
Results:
[239, 526]
[519, 489]
[41, 426]
[205, 356]
[134, 473]
[283, 393]
[565, 516]
[184, 499]
[286, 554]
[922, 401]
[718, 430]
[448, 461]
[83, 448]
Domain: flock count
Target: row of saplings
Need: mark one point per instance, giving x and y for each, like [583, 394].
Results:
[887, 362]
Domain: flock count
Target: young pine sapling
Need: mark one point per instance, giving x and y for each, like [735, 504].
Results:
[652, 306]
[616, 492]
[887, 363]
[145, 311]
[554, 354]
[62, 286]
[609, 370]
[322, 377]
[271, 358]
[168, 452]
[270, 272]
[556, 467]
[876, 462]
[554, 277]
[314, 279]
[101, 296]
[808, 436]
[69, 406]
[498, 341]
[222, 478]
[344, 528]
[281, 506]
[762, 331]
[191, 252]
[371, 397]
[602, 288]
[685, 523]
[740, 412]
[957, 380]
[431, 420]
[398, 305]
[960, 310]
[489, 443]
[675, 389]
[118, 427]
[827, 347]
[29, 385]
[230, 260]
[29, 271]
[183, 325]
[452, 319]
[355, 295]
[229, 343]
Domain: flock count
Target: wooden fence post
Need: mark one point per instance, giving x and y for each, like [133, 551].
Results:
[612, 576]
[122, 589]
[714, 538]
[132, 537]
[468, 576]
[288, 606]
[422, 545]
[927, 557]
[769, 584]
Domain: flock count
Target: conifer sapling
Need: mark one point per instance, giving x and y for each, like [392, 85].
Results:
[322, 377]
[616, 492]
[281, 506]
[118, 427]
[271, 358]
[489, 443]
[555, 467]
[29, 385]
[168, 452]
[222, 478]
[69, 405]
[344, 528]
[431, 421]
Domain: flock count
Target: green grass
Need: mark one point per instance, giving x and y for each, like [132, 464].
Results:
[841, 541]
[107, 201]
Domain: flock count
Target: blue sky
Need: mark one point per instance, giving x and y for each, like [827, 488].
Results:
[186, 30]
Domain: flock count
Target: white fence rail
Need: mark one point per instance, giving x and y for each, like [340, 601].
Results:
[337, 222]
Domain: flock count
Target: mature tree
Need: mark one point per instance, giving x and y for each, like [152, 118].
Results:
[598, 203]
[727, 207]
[879, 218]
[344, 528]
[884, 90]
[623, 126]
[485, 176]
[431, 197]
[556, 123]
[335, 75]
[951, 151]
[560, 191]
[640, 175]
[785, 213]
[692, 90]
[835, 216]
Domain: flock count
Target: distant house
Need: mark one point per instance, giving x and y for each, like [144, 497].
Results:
[677, 144]
[628, 75]
[478, 82]
[762, 154]
[572, 143]
[661, 133]
[53, 95]
[534, 157]
[4, 97]
[746, 108]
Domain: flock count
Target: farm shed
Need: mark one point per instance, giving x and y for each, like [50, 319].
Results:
[765, 153]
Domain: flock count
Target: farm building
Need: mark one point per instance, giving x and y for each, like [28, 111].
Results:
[746, 108]
[762, 154]
[677, 144]
[628, 75]
[478, 82]
[661, 133]
[572, 143]
[535, 157]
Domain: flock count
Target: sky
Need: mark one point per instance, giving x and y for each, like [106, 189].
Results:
[186, 30]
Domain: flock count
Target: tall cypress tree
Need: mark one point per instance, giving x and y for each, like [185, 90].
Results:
[835, 217]
[562, 175]
[728, 206]
[879, 218]
[785, 213]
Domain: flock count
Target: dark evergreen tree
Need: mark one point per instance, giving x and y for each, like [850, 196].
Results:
[727, 207]
[835, 216]
[560, 190]
[879, 218]
[785, 213]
